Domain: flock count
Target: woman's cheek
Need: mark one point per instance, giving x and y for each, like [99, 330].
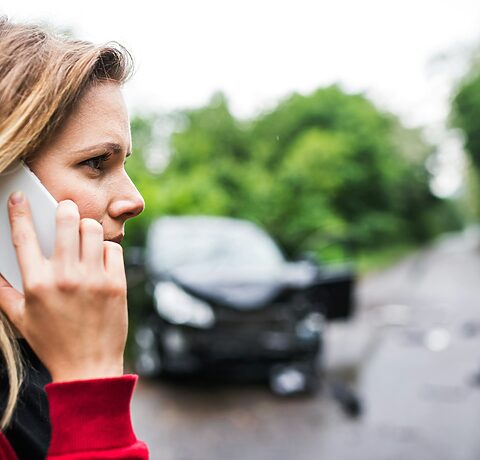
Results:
[90, 204]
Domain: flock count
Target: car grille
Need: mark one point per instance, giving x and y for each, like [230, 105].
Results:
[276, 317]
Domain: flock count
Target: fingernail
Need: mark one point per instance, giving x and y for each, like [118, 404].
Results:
[16, 197]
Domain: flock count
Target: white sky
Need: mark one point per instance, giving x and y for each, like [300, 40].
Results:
[258, 51]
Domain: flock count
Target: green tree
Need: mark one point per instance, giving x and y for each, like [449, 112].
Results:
[326, 170]
[465, 113]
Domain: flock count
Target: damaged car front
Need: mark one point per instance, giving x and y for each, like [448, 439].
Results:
[226, 302]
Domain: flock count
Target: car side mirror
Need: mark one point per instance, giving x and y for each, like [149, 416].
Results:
[308, 256]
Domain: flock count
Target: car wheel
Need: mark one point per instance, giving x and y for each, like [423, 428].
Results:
[286, 380]
[296, 377]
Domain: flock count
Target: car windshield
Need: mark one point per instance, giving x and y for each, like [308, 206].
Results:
[177, 242]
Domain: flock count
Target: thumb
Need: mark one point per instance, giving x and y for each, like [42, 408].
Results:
[11, 301]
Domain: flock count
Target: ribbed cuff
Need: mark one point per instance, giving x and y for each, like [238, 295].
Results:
[88, 415]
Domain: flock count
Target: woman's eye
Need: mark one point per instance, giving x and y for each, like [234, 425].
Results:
[97, 162]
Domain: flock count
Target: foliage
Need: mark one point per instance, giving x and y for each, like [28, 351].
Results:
[465, 113]
[326, 172]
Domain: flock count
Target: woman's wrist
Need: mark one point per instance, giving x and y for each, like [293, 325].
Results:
[97, 372]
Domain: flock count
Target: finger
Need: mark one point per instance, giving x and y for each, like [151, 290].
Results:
[24, 238]
[91, 234]
[114, 264]
[67, 241]
[11, 301]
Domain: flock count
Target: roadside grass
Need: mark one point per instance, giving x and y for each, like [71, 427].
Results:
[372, 261]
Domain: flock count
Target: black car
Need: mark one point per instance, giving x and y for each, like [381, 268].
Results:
[223, 300]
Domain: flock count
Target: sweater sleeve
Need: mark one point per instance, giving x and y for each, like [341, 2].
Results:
[6, 450]
[90, 419]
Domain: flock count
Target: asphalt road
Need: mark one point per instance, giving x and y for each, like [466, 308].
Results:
[412, 354]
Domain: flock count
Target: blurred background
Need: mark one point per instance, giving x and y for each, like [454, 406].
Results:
[305, 279]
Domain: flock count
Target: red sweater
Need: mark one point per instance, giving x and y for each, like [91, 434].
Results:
[90, 419]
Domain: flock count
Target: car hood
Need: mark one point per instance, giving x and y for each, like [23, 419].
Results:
[244, 288]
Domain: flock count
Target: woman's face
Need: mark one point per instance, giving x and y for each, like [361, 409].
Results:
[85, 160]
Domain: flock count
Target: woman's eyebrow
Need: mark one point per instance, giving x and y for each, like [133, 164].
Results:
[114, 147]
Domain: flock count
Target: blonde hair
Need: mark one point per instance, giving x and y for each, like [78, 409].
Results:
[42, 76]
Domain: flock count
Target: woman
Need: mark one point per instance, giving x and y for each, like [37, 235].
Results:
[63, 391]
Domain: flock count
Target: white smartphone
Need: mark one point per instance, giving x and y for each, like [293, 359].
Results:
[43, 206]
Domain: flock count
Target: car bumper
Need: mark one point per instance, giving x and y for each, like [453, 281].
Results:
[185, 350]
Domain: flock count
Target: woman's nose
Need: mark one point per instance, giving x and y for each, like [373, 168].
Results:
[129, 202]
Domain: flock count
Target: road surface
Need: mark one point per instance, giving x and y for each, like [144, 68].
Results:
[412, 354]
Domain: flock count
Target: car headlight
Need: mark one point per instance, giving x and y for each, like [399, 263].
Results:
[310, 326]
[178, 307]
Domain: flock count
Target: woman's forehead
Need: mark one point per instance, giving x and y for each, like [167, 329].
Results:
[100, 117]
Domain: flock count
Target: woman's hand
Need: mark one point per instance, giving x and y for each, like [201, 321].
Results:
[74, 309]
